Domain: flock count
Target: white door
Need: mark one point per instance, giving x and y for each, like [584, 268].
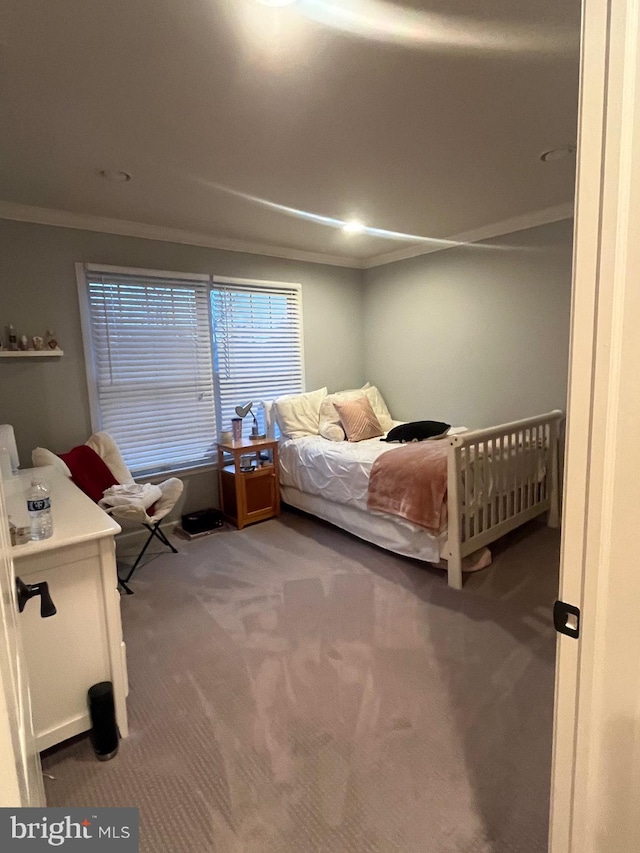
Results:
[596, 768]
[20, 771]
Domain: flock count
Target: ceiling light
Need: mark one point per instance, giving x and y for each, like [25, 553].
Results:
[353, 227]
[276, 2]
[116, 176]
[557, 153]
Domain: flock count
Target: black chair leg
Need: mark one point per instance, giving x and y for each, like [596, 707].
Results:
[161, 536]
[125, 586]
[140, 555]
[154, 530]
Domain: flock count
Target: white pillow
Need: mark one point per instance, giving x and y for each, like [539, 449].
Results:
[298, 415]
[379, 407]
[330, 426]
[41, 456]
[332, 432]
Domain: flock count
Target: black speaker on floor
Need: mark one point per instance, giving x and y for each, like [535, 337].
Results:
[104, 730]
[202, 521]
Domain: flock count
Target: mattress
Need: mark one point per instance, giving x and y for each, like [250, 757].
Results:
[337, 471]
[331, 479]
[334, 470]
[389, 532]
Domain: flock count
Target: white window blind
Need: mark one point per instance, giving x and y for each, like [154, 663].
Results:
[152, 368]
[257, 333]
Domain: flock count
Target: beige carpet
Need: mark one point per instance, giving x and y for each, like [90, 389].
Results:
[294, 689]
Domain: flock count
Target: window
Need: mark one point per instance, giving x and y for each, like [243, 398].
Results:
[159, 381]
[149, 364]
[257, 345]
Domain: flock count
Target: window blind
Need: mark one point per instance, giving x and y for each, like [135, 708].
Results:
[152, 365]
[257, 333]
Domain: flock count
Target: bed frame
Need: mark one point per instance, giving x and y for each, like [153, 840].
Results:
[519, 464]
[519, 461]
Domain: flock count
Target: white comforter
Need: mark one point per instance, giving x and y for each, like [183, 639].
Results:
[335, 470]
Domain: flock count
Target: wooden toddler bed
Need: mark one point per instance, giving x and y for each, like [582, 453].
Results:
[496, 480]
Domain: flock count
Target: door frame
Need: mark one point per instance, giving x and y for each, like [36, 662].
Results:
[20, 770]
[12, 791]
[596, 758]
[596, 762]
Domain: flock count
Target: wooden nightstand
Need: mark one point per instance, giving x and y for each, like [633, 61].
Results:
[252, 494]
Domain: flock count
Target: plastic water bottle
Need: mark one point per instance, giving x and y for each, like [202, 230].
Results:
[39, 507]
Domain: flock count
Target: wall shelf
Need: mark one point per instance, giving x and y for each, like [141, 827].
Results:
[31, 353]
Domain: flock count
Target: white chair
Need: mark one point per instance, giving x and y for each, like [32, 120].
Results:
[131, 514]
[134, 514]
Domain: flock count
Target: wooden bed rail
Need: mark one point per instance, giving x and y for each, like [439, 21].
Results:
[498, 479]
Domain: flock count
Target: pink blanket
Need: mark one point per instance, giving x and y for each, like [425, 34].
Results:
[411, 482]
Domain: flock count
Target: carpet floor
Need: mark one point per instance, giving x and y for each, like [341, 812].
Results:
[293, 689]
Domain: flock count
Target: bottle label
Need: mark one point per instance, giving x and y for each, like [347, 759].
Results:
[39, 505]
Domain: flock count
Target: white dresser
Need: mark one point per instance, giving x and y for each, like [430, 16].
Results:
[82, 644]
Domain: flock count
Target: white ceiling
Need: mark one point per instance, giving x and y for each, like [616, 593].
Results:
[426, 118]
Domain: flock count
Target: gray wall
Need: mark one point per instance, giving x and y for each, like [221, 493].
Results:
[47, 401]
[473, 336]
[476, 335]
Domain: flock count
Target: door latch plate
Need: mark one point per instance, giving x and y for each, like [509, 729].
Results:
[566, 619]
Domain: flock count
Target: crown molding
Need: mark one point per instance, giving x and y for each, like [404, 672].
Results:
[486, 232]
[127, 228]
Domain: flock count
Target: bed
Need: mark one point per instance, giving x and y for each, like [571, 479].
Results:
[496, 479]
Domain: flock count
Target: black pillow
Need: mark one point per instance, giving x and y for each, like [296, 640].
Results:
[417, 431]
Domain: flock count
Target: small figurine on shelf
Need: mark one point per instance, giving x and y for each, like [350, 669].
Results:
[24, 343]
[52, 342]
[12, 337]
[38, 342]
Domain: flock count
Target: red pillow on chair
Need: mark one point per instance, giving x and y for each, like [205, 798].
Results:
[88, 471]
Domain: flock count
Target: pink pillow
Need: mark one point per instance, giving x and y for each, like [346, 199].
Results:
[358, 419]
[88, 471]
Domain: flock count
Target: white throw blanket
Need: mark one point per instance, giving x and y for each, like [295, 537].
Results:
[134, 496]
